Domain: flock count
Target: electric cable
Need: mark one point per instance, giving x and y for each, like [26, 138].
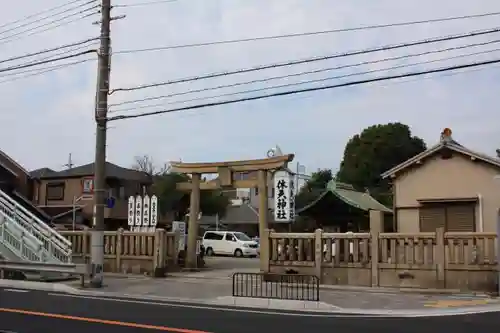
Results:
[299, 74]
[13, 68]
[7, 39]
[298, 91]
[313, 59]
[305, 34]
[45, 17]
[146, 3]
[36, 70]
[65, 46]
[39, 13]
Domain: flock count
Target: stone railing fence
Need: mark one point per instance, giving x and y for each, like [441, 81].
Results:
[130, 252]
[452, 260]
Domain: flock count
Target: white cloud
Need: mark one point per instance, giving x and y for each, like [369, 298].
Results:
[50, 116]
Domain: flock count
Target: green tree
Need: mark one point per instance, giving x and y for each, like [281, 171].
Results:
[375, 150]
[314, 187]
[175, 202]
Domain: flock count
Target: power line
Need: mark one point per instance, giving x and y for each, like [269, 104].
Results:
[45, 17]
[43, 71]
[298, 91]
[39, 13]
[48, 68]
[309, 81]
[313, 59]
[65, 46]
[9, 38]
[146, 3]
[298, 74]
[13, 68]
[304, 34]
[49, 28]
[57, 54]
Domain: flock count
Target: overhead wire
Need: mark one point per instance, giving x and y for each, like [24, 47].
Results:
[313, 59]
[13, 68]
[299, 91]
[321, 70]
[65, 46]
[310, 81]
[61, 53]
[40, 13]
[45, 70]
[145, 3]
[60, 22]
[31, 70]
[46, 17]
[304, 34]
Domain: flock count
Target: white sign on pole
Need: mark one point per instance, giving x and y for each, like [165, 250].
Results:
[293, 191]
[145, 212]
[180, 227]
[153, 217]
[282, 197]
[131, 212]
[138, 212]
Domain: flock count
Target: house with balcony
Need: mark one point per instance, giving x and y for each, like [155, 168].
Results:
[68, 195]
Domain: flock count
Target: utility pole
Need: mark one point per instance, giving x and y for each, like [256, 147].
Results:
[70, 163]
[97, 237]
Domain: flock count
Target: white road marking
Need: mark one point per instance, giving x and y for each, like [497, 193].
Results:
[16, 290]
[353, 313]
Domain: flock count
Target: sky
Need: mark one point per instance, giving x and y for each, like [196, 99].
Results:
[46, 117]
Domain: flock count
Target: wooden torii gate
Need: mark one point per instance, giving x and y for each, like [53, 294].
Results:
[225, 179]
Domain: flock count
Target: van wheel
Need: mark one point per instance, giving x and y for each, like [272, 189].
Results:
[210, 252]
[238, 253]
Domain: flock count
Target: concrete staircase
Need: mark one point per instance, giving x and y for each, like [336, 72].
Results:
[25, 237]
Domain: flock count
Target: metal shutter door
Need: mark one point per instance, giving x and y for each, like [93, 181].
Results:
[432, 218]
[460, 217]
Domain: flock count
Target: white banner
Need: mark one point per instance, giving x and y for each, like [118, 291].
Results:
[282, 197]
[138, 211]
[154, 211]
[131, 211]
[145, 211]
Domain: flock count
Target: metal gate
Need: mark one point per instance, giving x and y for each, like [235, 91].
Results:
[277, 286]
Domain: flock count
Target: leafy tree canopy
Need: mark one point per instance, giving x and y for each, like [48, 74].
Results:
[173, 201]
[375, 150]
[314, 187]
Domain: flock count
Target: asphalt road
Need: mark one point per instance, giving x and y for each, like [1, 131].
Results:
[37, 311]
[219, 262]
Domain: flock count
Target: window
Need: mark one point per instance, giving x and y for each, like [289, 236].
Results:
[242, 237]
[55, 191]
[230, 238]
[121, 192]
[213, 236]
[256, 191]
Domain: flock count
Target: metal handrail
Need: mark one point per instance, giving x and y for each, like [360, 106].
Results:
[54, 236]
[21, 243]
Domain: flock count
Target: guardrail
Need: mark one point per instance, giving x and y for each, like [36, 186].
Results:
[276, 286]
[75, 269]
[57, 245]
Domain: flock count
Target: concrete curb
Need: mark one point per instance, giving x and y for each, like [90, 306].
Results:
[344, 288]
[240, 304]
[280, 307]
[35, 285]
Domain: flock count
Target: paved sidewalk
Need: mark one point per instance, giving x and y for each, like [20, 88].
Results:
[220, 291]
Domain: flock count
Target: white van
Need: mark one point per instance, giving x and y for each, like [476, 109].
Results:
[233, 243]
